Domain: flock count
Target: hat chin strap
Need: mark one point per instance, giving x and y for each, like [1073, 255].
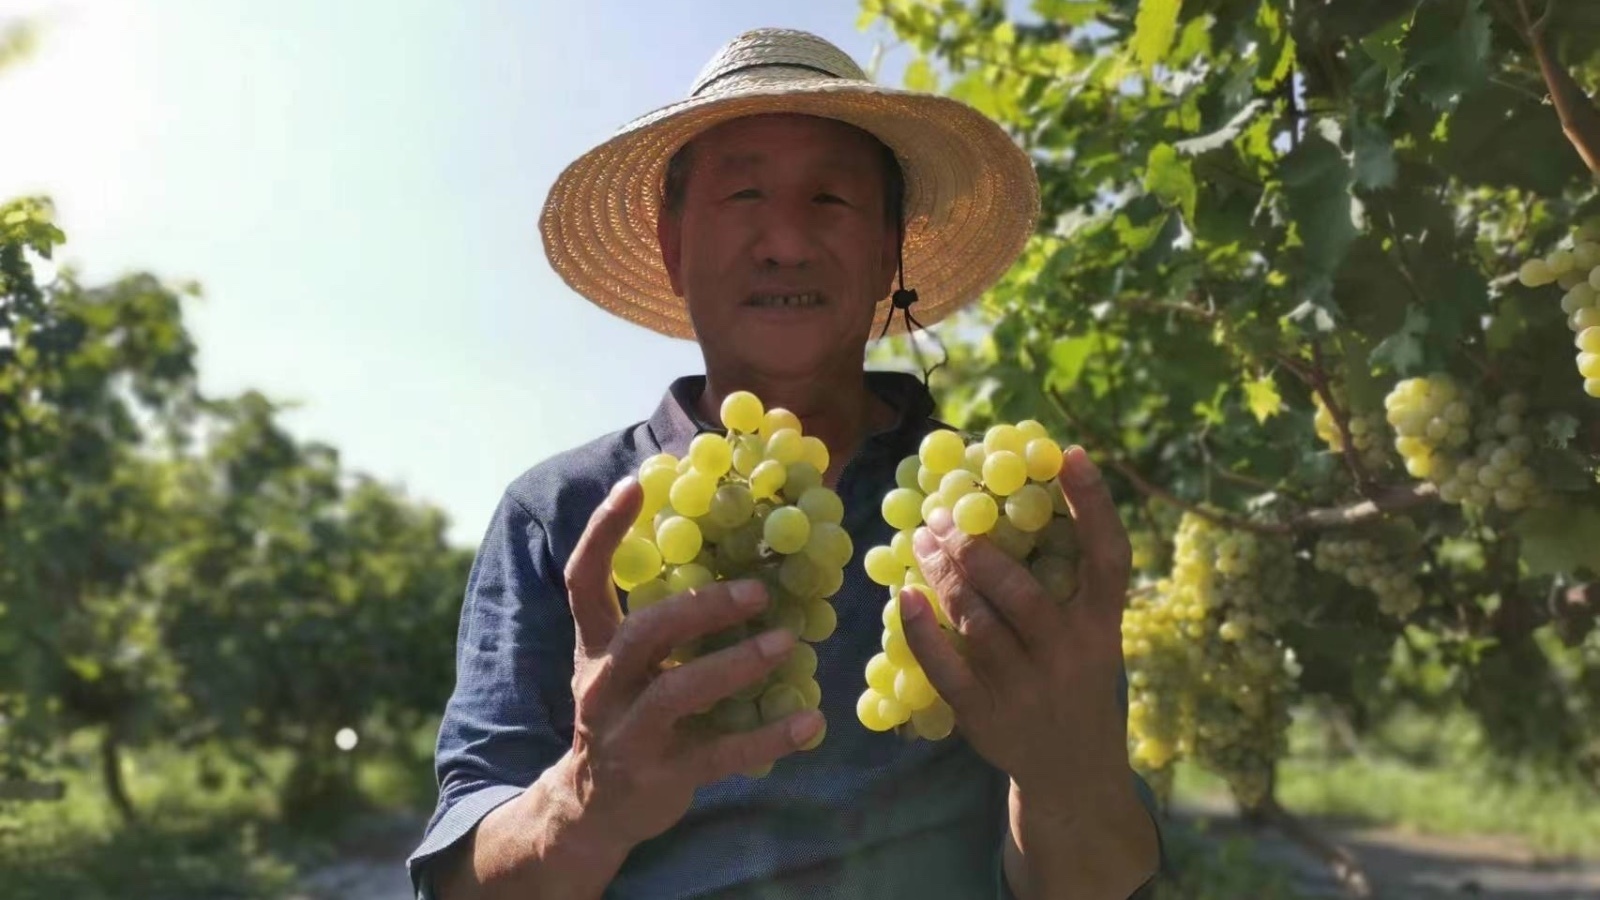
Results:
[903, 300]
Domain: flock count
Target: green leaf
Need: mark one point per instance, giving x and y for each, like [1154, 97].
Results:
[1402, 351]
[1374, 157]
[1155, 28]
[1386, 45]
[1317, 179]
[1559, 539]
[1261, 395]
[1224, 135]
[1277, 47]
[1169, 178]
[919, 76]
[1069, 12]
[1448, 49]
[1067, 359]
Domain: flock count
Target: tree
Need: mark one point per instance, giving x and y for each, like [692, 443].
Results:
[1281, 242]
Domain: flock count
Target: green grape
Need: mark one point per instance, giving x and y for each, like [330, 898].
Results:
[881, 674]
[636, 560]
[748, 452]
[742, 411]
[799, 575]
[821, 504]
[829, 545]
[778, 419]
[927, 480]
[733, 716]
[689, 576]
[679, 540]
[935, 722]
[711, 454]
[790, 615]
[882, 566]
[1004, 438]
[815, 452]
[800, 665]
[691, 494]
[1011, 540]
[780, 701]
[787, 529]
[1029, 508]
[821, 620]
[905, 474]
[800, 478]
[810, 691]
[941, 451]
[933, 502]
[975, 457]
[958, 483]
[1535, 273]
[767, 479]
[647, 594]
[830, 581]
[902, 509]
[786, 446]
[975, 514]
[732, 505]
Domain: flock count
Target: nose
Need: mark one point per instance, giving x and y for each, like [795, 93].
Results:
[783, 235]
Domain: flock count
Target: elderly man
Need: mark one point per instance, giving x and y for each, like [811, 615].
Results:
[767, 217]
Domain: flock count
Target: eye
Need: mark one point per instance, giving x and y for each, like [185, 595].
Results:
[831, 198]
[746, 194]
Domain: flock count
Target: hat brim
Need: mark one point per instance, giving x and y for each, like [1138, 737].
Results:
[972, 197]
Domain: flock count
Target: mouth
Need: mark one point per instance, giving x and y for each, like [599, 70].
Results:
[785, 301]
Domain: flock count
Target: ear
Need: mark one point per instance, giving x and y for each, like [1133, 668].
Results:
[669, 234]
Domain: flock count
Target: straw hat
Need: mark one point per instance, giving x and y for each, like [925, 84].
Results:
[971, 201]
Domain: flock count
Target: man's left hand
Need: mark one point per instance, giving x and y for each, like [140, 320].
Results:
[1035, 691]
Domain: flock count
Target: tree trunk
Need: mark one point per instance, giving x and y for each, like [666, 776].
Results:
[111, 771]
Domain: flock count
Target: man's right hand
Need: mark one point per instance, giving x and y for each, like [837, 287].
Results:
[633, 766]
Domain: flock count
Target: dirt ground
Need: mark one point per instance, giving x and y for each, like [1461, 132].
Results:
[1400, 865]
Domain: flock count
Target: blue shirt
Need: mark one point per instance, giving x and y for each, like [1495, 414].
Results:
[864, 814]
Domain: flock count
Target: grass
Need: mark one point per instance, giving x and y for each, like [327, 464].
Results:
[1454, 795]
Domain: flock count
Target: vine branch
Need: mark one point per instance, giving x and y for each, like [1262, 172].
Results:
[1341, 418]
[1580, 120]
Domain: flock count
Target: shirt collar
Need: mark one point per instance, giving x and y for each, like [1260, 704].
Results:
[677, 419]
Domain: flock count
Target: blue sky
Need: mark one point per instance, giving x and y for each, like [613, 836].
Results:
[357, 186]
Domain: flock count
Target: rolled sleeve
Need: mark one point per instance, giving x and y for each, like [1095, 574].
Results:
[510, 715]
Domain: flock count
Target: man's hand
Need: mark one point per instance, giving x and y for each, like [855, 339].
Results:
[1035, 693]
[633, 765]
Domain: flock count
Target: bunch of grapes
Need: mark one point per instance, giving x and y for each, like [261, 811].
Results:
[1575, 267]
[1387, 567]
[748, 504]
[1433, 416]
[1002, 488]
[1207, 676]
[1366, 432]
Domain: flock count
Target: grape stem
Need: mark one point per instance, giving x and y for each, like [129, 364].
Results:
[1346, 868]
[1341, 418]
[1580, 120]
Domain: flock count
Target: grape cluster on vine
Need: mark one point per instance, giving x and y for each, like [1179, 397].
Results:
[1387, 568]
[1575, 267]
[1208, 677]
[1433, 419]
[1366, 432]
[748, 504]
[1001, 488]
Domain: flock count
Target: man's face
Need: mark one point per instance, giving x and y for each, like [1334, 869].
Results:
[781, 247]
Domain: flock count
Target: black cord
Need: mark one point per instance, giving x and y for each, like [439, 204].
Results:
[903, 300]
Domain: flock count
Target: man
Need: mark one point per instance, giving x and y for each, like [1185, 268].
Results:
[767, 217]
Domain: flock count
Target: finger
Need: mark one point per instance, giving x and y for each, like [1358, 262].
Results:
[941, 662]
[648, 636]
[590, 593]
[1005, 584]
[990, 639]
[1107, 553]
[695, 686]
[730, 754]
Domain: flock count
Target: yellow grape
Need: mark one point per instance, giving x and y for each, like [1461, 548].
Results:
[1589, 365]
[958, 483]
[1589, 339]
[815, 452]
[898, 650]
[942, 451]
[635, 560]
[911, 687]
[1031, 430]
[927, 480]
[1591, 386]
[711, 454]
[882, 567]
[1579, 297]
[830, 545]
[1588, 317]
[691, 494]
[778, 419]
[1043, 457]
[731, 506]
[893, 711]
[786, 446]
[932, 502]
[742, 411]
[1004, 437]
[1535, 273]
[647, 594]
[748, 452]
[1004, 472]
[689, 576]
[904, 553]
[975, 514]
[767, 479]
[935, 722]
[902, 509]
[679, 540]
[881, 674]
[786, 530]
[905, 474]
[1029, 509]
[869, 711]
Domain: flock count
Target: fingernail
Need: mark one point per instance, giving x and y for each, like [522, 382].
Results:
[775, 643]
[923, 542]
[1083, 470]
[941, 521]
[749, 595]
[803, 726]
[619, 487]
[913, 605]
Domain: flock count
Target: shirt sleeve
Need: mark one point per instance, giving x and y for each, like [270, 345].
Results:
[510, 715]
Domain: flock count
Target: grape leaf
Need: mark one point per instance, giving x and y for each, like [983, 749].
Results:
[1385, 45]
[1559, 539]
[1261, 395]
[1067, 358]
[1402, 351]
[1069, 12]
[1171, 179]
[1155, 28]
[1448, 51]
[1374, 157]
[1224, 135]
[1317, 178]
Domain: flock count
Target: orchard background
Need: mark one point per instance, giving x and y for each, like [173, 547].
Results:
[1281, 290]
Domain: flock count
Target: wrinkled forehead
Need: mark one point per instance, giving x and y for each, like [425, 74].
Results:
[754, 141]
